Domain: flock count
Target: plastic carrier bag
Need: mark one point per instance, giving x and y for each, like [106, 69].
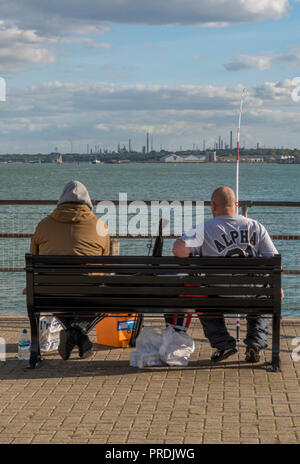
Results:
[147, 348]
[176, 347]
[157, 347]
[49, 333]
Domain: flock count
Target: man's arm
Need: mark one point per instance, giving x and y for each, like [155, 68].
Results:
[180, 249]
[267, 248]
[34, 244]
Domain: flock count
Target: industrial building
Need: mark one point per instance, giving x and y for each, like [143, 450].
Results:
[173, 158]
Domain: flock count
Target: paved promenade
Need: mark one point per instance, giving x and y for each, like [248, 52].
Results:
[104, 400]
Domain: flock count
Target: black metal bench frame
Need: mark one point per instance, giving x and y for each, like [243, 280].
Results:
[95, 286]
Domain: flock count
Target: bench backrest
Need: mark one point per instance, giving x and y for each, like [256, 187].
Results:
[121, 284]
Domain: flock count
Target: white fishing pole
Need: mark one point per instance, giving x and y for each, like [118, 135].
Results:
[238, 151]
[237, 186]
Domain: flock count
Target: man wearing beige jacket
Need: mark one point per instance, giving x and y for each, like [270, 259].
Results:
[72, 229]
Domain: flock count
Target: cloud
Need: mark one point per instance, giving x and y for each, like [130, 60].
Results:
[36, 32]
[92, 16]
[242, 62]
[245, 62]
[274, 92]
[215, 24]
[20, 48]
[101, 96]
[85, 41]
[72, 99]
[51, 114]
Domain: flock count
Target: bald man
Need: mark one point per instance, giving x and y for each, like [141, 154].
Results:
[227, 234]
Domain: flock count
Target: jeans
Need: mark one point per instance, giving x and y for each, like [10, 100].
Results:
[81, 322]
[216, 332]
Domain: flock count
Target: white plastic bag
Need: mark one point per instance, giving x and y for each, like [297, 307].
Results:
[176, 347]
[147, 348]
[49, 333]
[157, 347]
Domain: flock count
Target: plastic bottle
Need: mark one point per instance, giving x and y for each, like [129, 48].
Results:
[24, 346]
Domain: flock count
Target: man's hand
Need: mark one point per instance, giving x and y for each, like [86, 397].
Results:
[282, 294]
[180, 249]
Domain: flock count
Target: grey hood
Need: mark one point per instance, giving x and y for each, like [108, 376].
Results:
[75, 192]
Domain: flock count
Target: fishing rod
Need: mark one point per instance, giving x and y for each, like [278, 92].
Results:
[237, 185]
[157, 251]
[238, 150]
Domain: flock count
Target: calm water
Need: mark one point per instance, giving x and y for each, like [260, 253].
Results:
[144, 182]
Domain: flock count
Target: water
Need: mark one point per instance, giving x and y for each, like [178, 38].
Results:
[144, 182]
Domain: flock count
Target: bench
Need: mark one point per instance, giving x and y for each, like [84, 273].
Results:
[95, 286]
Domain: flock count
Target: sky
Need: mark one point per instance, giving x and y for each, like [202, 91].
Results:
[100, 72]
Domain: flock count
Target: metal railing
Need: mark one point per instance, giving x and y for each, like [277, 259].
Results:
[19, 223]
[244, 205]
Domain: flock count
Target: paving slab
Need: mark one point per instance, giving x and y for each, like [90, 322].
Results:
[106, 401]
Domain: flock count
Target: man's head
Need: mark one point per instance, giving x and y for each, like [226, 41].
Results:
[75, 192]
[223, 202]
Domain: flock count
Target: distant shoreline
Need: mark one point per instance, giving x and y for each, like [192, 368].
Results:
[249, 156]
[155, 162]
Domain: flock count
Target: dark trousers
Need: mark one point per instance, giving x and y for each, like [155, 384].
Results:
[82, 322]
[216, 332]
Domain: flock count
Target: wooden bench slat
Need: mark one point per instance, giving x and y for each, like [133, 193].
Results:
[159, 270]
[149, 310]
[129, 260]
[140, 302]
[84, 279]
[134, 290]
[151, 270]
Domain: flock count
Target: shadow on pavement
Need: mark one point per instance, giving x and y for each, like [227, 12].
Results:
[13, 369]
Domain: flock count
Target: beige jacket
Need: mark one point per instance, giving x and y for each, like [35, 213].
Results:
[71, 229]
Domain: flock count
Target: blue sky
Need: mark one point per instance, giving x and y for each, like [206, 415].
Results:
[107, 71]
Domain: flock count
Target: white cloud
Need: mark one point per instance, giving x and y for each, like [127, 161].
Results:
[20, 48]
[91, 16]
[73, 98]
[107, 113]
[274, 92]
[34, 32]
[244, 62]
[85, 41]
[102, 127]
[215, 24]
[263, 62]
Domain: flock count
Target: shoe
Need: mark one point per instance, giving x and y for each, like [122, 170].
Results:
[252, 354]
[86, 354]
[67, 341]
[84, 344]
[219, 355]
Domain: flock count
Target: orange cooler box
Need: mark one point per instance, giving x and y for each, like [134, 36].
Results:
[116, 330]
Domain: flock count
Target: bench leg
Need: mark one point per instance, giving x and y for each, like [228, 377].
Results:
[276, 363]
[95, 321]
[35, 355]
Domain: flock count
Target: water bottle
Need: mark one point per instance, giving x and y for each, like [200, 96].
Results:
[24, 346]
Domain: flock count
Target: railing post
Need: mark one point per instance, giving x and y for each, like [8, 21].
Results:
[114, 247]
[245, 210]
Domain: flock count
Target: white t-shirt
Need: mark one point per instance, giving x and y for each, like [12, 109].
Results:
[230, 236]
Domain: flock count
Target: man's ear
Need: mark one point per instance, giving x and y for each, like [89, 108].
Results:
[213, 206]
